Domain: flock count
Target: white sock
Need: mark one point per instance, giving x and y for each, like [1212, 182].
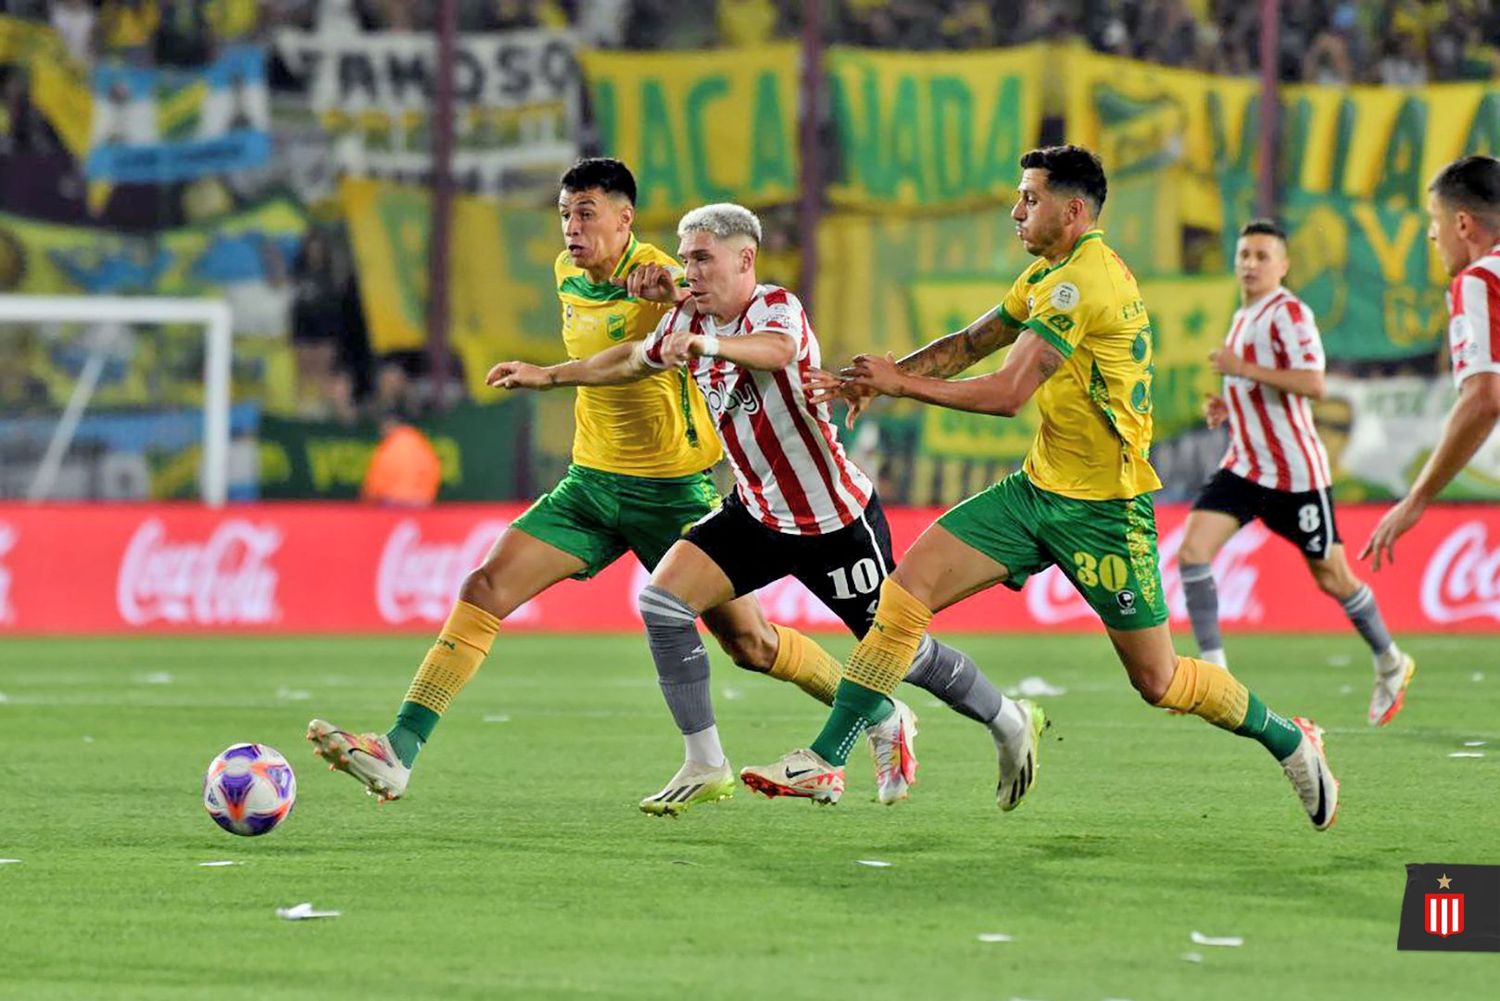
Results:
[703, 747]
[1010, 721]
[1214, 657]
[1390, 660]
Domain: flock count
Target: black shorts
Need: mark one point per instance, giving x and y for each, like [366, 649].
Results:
[844, 568]
[1304, 518]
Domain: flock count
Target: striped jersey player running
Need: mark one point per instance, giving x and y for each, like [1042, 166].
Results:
[1081, 501]
[1276, 468]
[1464, 204]
[800, 507]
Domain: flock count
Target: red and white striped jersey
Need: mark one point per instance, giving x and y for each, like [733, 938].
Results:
[789, 468]
[1474, 308]
[1272, 440]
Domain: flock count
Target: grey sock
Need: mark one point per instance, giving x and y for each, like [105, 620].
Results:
[1202, 596]
[953, 677]
[681, 660]
[1365, 614]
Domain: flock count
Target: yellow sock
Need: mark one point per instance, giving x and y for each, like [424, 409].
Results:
[454, 658]
[885, 654]
[805, 664]
[1207, 690]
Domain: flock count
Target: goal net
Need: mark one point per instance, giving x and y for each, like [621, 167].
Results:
[91, 387]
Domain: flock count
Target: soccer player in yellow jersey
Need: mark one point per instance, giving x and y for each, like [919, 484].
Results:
[1082, 499]
[639, 477]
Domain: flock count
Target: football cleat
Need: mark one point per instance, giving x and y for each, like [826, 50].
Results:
[1307, 767]
[693, 783]
[368, 757]
[800, 773]
[892, 745]
[1018, 758]
[1390, 691]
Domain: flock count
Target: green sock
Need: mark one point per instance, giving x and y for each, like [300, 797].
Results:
[855, 707]
[1276, 733]
[414, 726]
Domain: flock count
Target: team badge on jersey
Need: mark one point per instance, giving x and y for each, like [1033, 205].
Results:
[1451, 908]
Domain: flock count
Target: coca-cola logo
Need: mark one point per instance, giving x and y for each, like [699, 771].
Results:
[419, 578]
[226, 579]
[1052, 599]
[1462, 580]
[7, 542]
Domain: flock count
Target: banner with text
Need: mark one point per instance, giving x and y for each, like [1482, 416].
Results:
[344, 568]
[516, 97]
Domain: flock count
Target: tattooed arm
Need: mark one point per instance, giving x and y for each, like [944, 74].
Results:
[950, 355]
[1030, 363]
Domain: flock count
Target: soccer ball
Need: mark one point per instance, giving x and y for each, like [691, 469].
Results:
[249, 789]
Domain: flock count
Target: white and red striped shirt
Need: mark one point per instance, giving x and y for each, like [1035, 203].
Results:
[789, 468]
[1272, 440]
[1474, 308]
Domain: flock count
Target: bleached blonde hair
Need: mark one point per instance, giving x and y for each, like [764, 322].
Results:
[724, 220]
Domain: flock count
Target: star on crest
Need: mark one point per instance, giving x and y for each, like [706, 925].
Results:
[1443, 881]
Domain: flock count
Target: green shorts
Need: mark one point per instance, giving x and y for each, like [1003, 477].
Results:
[1107, 548]
[598, 516]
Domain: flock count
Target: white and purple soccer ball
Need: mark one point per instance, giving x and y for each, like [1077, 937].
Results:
[249, 789]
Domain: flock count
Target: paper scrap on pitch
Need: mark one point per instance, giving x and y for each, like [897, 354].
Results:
[497, 718]
[220, 862]
[303, 911]
[1475, 743]
[9, 861]
[1346, 689]
[873, 863]
[731, 694]
[1035, 687]
[1477, 676]
[1193, 957]
[1339, 660]
[4, 697]
[292, 694]
[1466, 754]
[154, 678]
[994, 936]
[1226, 941]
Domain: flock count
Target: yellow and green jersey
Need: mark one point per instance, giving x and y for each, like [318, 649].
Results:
[658, 427]
[1094, 441]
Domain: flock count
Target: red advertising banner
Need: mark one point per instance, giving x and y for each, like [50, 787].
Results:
[346, 568]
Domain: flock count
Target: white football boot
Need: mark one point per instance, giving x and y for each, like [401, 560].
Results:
[892, 746]
[1307, 767]
[1018, 758]
[801, 774]
[368, 757]
[1390, 690]
[693, 783]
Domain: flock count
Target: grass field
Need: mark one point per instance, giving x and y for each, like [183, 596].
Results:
[518, 865]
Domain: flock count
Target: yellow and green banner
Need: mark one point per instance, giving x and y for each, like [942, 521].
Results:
[918, 132]
[699, 127]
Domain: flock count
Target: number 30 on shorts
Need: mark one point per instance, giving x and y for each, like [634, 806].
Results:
[1091, 571]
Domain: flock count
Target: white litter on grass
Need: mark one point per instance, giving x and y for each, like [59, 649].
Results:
[934, 703]
[4, 697]
[1226, 941]
[1193, 957]
[303, 911]
[873, 863]
[292, 694]
[154, 678]
[732, 693]
[1339, 660]
[1346, 689]
[1034, 687]
[1477, 676]
[1475, 743]
[208, 865]
[87, 739]
[9, 861]
[497, 718]
[994, 936]
[1466, 754]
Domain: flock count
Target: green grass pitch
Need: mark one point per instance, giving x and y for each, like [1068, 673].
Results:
[518, 866]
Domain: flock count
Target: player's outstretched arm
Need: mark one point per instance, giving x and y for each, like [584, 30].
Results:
[949, 355]
[611, 367]
[1030, 363]
[1469, 425]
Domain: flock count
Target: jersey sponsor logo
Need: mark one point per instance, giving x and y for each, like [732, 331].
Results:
[8, 538]
[745, 396]
[1462, 579]
[417, 579]
[1065, 296]
[226, 579]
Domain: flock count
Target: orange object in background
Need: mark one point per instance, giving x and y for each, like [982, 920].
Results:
[404, 468]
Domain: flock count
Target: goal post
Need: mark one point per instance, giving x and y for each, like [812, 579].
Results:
[212, 315]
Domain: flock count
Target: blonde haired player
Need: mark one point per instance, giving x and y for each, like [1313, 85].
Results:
[637, 479]
[1082, 499]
